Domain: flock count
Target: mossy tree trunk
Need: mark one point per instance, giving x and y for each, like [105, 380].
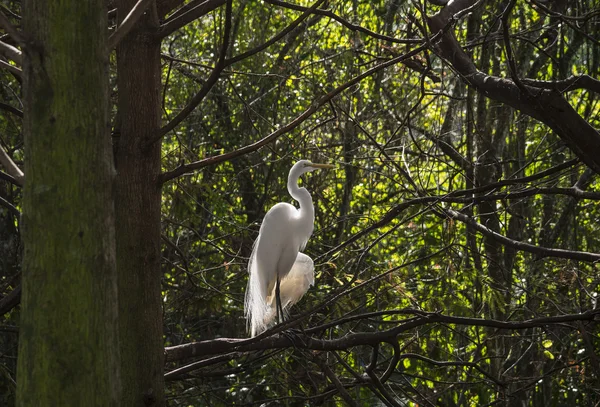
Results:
[68, 347]
[138, 213]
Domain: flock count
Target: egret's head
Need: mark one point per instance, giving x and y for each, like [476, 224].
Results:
[307, 166]
[302, 167]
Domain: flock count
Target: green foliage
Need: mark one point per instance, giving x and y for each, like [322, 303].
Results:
[385, 247]
[385, 133]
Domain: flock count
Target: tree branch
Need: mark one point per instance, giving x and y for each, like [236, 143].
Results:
[11, 300]
[541, 251]
[12, 109]
[13, 69]
[11, 52]
[11, 29]
[176, 373]
[10, 207]
[565, 85]
[303, 341]
[277, 37]
[547, 106]
[11, 167]
[186, 14]
[128, 23]
[219, 67]
[336, 382]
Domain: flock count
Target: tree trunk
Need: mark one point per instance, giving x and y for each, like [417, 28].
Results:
[138, 214]
[68, 347]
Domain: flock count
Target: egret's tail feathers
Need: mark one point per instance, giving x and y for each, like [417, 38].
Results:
[256, 307]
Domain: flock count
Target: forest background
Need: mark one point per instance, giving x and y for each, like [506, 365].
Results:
[455, 245]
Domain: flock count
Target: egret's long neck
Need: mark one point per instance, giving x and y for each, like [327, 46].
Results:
[307, 211]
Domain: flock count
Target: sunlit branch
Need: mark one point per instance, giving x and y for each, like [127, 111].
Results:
[11, 68]
[10, 207]
[11, 167]
[176, 373]
[11, 52]
[515, 181]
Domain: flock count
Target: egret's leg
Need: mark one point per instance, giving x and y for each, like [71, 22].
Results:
[278, 302]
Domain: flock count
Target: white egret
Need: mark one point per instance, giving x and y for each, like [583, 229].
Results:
[283, 233]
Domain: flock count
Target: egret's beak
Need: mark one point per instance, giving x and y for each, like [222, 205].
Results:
[321, 166]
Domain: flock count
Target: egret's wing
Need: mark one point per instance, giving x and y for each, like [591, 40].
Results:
[293, 287]
[308, 268]
[273, 253]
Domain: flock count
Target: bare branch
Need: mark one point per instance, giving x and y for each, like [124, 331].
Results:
[526, 247]
[13, 69]
[11, 167]
[134, 15]
[11, 52]
[186, 14]
[11, 300]
[10, 207]
[164, 7]
[12, 109]
[512, 65]
[277, 37]
[570, 83]
[336, 382]
[303, 341]
[176, 373]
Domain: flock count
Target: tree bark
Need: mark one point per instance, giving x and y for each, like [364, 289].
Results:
[68, 347]
[138, 213]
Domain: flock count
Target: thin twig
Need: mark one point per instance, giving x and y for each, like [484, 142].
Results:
[185, 168]
[210, 82]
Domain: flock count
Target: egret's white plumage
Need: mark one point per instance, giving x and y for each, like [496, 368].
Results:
[292, 287]
[283, 233]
